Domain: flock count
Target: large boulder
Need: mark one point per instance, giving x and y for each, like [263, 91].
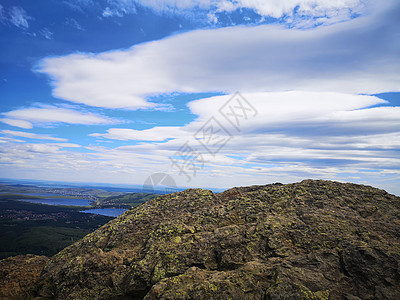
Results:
[308, 240]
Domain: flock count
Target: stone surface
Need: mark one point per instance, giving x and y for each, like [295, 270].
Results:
[18, 275]
[308, 240]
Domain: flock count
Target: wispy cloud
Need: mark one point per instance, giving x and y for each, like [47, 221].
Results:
[46, 33]
[2, 14]
[19, 17]
[153, 134]
[297, 13]
[17, 123]
[53, 115]
[292, 11]
[79, 5]
[119, 8]
[360, 57]
[8, 139]
[74, 24]
[32, 135]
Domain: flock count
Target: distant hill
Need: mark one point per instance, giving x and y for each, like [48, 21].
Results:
[82, 192]
[124, 201]
[307, 240]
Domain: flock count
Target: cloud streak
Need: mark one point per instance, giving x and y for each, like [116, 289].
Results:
[18, 17]
[52, 115]
[153, 134]
[17, 123]
[32, 135]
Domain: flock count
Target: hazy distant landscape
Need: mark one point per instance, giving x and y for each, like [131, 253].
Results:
[29, 226]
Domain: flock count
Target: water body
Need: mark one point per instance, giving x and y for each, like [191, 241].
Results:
[60, 201]
[110, 212]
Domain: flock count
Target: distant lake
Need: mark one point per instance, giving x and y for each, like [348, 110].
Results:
[110, 212]
[59, 201]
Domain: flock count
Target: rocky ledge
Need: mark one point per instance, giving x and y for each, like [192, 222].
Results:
[307, 240]
[18, 275]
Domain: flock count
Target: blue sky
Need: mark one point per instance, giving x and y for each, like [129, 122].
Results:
[213, 93]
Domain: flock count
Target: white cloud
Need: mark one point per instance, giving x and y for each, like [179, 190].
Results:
[302, 120]
[8, 139]
[352, 57]
[32, 135]
[310, 111]
[19, 17]
[153, 134]
[42, 148]
[291, 131]
[119, 8]
[307, 131]
[379, 119]
[289, 109]
[65, 145]
[52, 114]
[17, 123]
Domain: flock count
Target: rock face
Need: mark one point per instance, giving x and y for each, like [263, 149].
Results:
[18, 275]
[308, 240]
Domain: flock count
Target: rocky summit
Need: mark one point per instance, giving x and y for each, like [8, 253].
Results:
[307, 240]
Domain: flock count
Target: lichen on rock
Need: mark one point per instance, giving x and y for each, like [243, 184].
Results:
[309, 240]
